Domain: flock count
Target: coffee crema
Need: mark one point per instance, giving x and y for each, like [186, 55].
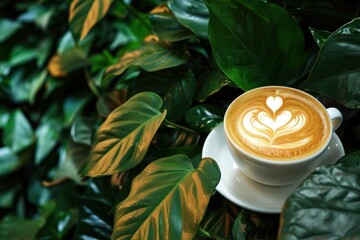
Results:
[278, 123]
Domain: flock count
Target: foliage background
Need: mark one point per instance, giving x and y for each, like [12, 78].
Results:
[105, 105]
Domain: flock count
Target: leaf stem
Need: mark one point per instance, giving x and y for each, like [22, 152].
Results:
[174, 125]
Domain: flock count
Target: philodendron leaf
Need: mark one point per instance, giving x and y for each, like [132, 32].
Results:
[255, 43]
[193, 14]
[151, 58]
[326, 205]
[123, 139]
[84, 14]
[336, 71]
[171, 202]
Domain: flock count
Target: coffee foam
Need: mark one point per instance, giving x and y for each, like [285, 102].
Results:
[278, 123]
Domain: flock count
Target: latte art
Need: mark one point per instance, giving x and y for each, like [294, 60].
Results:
[278, 123]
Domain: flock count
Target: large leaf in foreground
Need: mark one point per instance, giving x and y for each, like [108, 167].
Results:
[336, 71]
[326, 205]
[123, 139]
[171, 202]
[255, 43]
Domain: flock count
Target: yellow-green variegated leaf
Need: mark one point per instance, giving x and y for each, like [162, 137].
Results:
[167, 200]
[122, 141]
[84, 14]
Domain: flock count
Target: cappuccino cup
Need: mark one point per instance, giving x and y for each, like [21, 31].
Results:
[277, 134]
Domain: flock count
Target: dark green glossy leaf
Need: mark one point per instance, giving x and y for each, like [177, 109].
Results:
[4, 115]
[82, 130]
[176, 87]
[58, 225]
[73, 105]
[122, 140]
[9, 162]
[151, 58]
[255, 43]
[159, 208]
[18, 132]
[351, 159]
[326, 205]
[94, 220]
[209, 83]
[48, 132]
[193, 14]
[84, 15]
[203, 118]
[168, 28]
[319, 36]
[336, 70]
[72, 158]
[22, 54]
[8, 28]
[38, 14]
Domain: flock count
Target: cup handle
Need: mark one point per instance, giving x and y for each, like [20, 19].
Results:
[335, 117]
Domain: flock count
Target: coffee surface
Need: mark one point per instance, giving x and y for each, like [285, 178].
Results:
[278, 123]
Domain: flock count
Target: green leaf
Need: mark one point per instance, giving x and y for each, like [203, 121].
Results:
[319, 36]
[62, 64]
[151, 58]
[72, 157]
[18, 132]
[209, 83]
[9, 162]
[8, 28]
[159, 208]
[122, 140]
[255, 43]
[168, 28]
[94, 220]
[58, 225]
[9, 228]
[48, 132]
[337, 68]
[176, 87]
[193, 14]
[326, 205]
[84, 14]
[203, 118]
[220, 220]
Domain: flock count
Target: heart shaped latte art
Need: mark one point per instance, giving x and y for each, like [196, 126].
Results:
[267, 126]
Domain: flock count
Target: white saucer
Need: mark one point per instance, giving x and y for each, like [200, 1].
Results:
[243, 191]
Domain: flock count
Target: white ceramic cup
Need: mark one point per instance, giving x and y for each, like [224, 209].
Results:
[279, 173]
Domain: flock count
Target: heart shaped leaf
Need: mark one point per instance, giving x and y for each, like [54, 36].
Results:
[203, 118]
[255, 43]
[85, 14]
[171, 202]
[337, 66]
[123, 139]
[326, 205]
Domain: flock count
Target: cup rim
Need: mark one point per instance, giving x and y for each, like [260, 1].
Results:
[280, 162]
